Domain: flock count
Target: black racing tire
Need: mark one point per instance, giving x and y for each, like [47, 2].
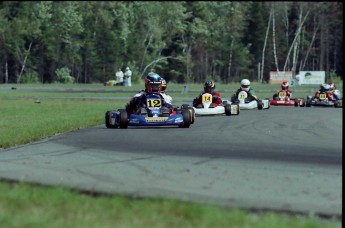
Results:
[108, 120]
[185, 106]
[296, 103]
[308, 102]
[260, 105]
[186, 118]
[336, 104]
[123, 118]
[227, 108]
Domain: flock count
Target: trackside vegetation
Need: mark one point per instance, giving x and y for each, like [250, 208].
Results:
[31, 112]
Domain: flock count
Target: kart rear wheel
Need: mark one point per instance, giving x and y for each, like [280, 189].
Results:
[186, 118]
[108, 120]
[123, 117]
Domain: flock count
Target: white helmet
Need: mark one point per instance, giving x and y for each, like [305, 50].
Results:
[127, 68]
[245, 84]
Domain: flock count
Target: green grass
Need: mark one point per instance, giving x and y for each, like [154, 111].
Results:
[27, 205]
[24, 205]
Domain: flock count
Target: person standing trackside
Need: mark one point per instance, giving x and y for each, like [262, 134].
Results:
[119, 77]
[128, 76]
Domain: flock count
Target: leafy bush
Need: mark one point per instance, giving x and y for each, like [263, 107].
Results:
[333, 77]
[28, 78]
[64, 75]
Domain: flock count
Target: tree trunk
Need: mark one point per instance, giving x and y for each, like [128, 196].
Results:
[295, 39]
[264, 48]
[23, 66]
[230, 60]
[316, 28]
[274, 38]
[6, 72]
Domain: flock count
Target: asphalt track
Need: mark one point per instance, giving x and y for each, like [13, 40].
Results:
[284, 158]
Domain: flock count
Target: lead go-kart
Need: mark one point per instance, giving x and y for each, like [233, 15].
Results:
[153, 113]
[281, 99]
[245, 102]
[325, 99]
[208, 108]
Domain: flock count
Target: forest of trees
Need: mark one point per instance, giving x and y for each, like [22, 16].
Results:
[41, 41]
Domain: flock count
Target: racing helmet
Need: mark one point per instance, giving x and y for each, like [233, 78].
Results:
[285, 85]
[245, 84]
[332, 86]
[209, 86]
[153, 83]
[164, 85]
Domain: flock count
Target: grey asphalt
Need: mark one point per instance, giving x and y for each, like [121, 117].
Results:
[284, 158]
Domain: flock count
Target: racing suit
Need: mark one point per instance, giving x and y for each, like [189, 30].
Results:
[167, 98]
[335, 95]
[250, 92]
[139, 101]
[216, 99]
[287, 91]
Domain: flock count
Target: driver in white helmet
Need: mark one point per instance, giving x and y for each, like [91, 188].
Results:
[245, 86]
[166, 97]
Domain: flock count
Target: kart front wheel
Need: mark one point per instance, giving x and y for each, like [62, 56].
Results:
[227, 108]
[308, 103]
[260, 105]
[123, 117]
[296, 103]
[186, 118]
[192, 114]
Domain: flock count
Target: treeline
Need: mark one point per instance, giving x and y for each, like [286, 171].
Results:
[47, 41]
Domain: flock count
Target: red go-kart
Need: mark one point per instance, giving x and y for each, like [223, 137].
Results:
[281, 99]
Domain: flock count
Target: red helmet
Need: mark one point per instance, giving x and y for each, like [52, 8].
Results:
[285, 85]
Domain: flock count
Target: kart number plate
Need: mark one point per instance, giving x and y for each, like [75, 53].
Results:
[156, 119]
[282, 95]
[154, 103]
[206, 97]
[242, 95]
[322, 96]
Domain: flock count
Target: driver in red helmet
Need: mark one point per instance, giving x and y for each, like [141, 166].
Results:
[209, 87]
[284, 87]
[333, 88]
[153, 84]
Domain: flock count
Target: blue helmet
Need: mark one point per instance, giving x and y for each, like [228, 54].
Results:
[153, 83]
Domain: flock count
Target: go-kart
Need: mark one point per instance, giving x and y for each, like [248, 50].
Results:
[209, 108]
[153, 113]
[281, 99]
[325, 99]
[245, 102]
